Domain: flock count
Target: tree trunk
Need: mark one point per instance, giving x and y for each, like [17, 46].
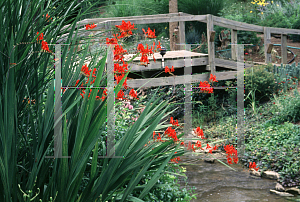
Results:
[173, 27]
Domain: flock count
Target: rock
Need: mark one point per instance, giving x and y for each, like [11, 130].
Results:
[279, 187]
[210, 160]
[213, 151]
[255, 173]
[293, 190]
[255, 177]
[270, 175]
[280, 193]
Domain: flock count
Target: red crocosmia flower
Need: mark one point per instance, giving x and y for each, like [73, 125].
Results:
[190, 146]
[82, 95]
[126, 28]
[172, 121]
[172, 69]
[45, 46]
[182, 143]
[153, 135]
[118, 53]
[149, 33]
[208, 147]
[133, 93]
[167, 69]
[111, 41]
[76, 82]
[229, 160]
[120, 95]
[159, 138]
[253, 166]
[210, 151]
[246, 53]
[41, 36]
[212, 78]
[215, 147]
[205, 87]
[97, 97]
[92, 26]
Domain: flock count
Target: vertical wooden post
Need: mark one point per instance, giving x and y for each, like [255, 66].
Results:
[233, 41]
[283, 48]
[267, 40]
[174, 39]
[181, 33]
[211, 44]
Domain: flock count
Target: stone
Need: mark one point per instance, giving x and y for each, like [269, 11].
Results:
[279, 187]
[270, 175]
[255, 173]
[280, 193]
[293, 190]
[210, 160]
[255, 177]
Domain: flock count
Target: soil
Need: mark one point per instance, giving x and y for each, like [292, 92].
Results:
[256, 57]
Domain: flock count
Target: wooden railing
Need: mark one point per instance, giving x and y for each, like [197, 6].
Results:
[211, 20]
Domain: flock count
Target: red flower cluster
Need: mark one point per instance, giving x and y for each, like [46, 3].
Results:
[125, 28]
[158, 138]
[175, 160]
[231, 152]
[174, 123]
[212, 78]
[171, 133]
[92, 26]
[133, 93]
[145, 53]
[44, 43]
[253, 166]
[205, 87]
[169, 70]
[199, 132]
[150, 33]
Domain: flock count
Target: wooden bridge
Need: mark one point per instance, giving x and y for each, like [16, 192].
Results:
[199, 62]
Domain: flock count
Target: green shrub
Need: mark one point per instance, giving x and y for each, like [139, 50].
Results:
[259, 80]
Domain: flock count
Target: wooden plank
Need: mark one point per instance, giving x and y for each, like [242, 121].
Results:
[174, 80]
[211, 45]
[274, 30]
[233, 41]
[101, 25]
[236, 25]
[181, 33]
[267, 40]
[283, 49]
[229, 63]
[97, 20]
[178, 63]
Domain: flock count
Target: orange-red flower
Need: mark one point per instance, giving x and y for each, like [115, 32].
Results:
[149, 33]
[133, 93]
[205, 87]
[92, 26]
[41, 36]
[167, 69]
[45, 46]
[125, 28]
[120, 95]
[253, 166]
[212, 78]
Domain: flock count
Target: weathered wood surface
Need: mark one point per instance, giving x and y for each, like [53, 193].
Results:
[267, 40]
[210, 44]
[181, 33]
[233, 41]
[236, 25]
[229, 63]
[177, 59]
[174, 80]
[283, 49]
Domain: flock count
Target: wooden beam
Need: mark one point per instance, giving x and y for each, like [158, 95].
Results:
[233, 41]
[236, 25]
[212, 36]
[181, 33]
[267, 40]
[229, 64]
[174, 80]
[283, 49]
[211, 45]
[274, 30]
